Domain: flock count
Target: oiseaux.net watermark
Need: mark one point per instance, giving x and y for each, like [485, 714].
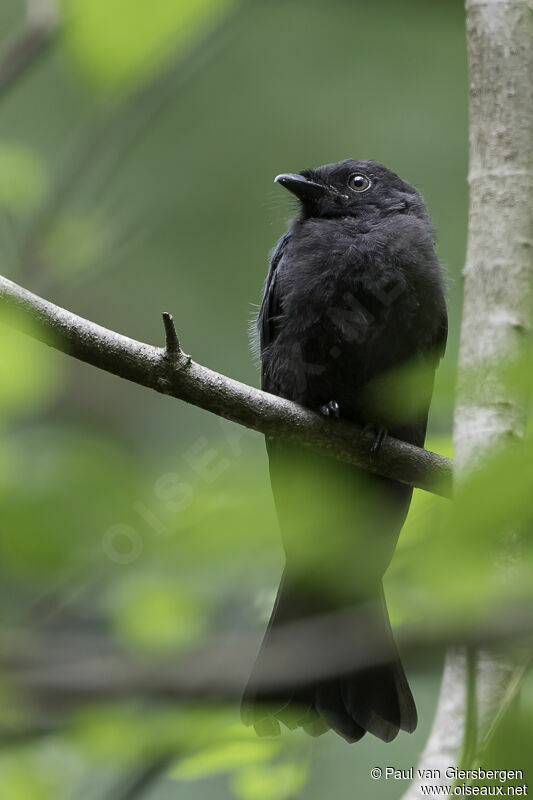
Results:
[456, 782]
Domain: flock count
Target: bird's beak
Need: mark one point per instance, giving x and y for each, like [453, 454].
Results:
[303, 188]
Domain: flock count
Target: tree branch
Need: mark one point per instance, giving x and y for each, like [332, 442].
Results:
[170, 371]
[215, 671]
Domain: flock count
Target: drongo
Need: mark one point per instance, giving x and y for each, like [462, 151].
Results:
[353, 301]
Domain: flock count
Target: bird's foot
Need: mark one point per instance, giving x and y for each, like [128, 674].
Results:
[331, 409]
[379, 434]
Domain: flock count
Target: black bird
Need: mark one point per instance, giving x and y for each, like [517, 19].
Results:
[354, 293]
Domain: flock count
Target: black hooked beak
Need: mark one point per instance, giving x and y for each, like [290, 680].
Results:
[303, 188]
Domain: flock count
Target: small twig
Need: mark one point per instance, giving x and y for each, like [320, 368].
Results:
[512, 691]
[135, 785]
[171, 336]
[26, 49]
[186, 380]
[15, 737]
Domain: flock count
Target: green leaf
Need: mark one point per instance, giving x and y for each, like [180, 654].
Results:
[30, 373]
[152, 614]
[116, 42]
[278, 782]
[22, 778]
[128, 733]
[114, 733]
[224, 758]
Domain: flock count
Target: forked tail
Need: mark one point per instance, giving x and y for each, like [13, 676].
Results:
[336, 669]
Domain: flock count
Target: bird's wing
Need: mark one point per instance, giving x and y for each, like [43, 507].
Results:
[270, 310]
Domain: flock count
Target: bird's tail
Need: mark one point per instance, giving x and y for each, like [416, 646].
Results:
[333, 669]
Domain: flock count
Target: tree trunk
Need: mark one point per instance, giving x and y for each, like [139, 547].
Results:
[496, 318]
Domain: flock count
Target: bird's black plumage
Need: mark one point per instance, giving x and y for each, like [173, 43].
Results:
[354, 292]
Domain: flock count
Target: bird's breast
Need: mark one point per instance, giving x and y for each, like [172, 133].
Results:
[347, 311]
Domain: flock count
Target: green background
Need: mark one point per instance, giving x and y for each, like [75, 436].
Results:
[182, 221]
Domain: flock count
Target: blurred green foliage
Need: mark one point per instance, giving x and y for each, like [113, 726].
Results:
[274, 783]
[23, 777]
[78, 242]
[24, 177]
[153, 614]
[143, 518]
[116, 45]
[30, 375]
[225, 758]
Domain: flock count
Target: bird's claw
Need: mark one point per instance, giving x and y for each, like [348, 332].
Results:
[331, 409]
[379, 437]
[378, 441]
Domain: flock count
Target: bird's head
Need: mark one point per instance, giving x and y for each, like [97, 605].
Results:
[349, 188]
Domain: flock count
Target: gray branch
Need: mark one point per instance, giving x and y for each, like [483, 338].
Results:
[58, 671]
[170, 371]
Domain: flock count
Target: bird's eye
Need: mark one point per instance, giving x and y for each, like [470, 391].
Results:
[359, 183]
